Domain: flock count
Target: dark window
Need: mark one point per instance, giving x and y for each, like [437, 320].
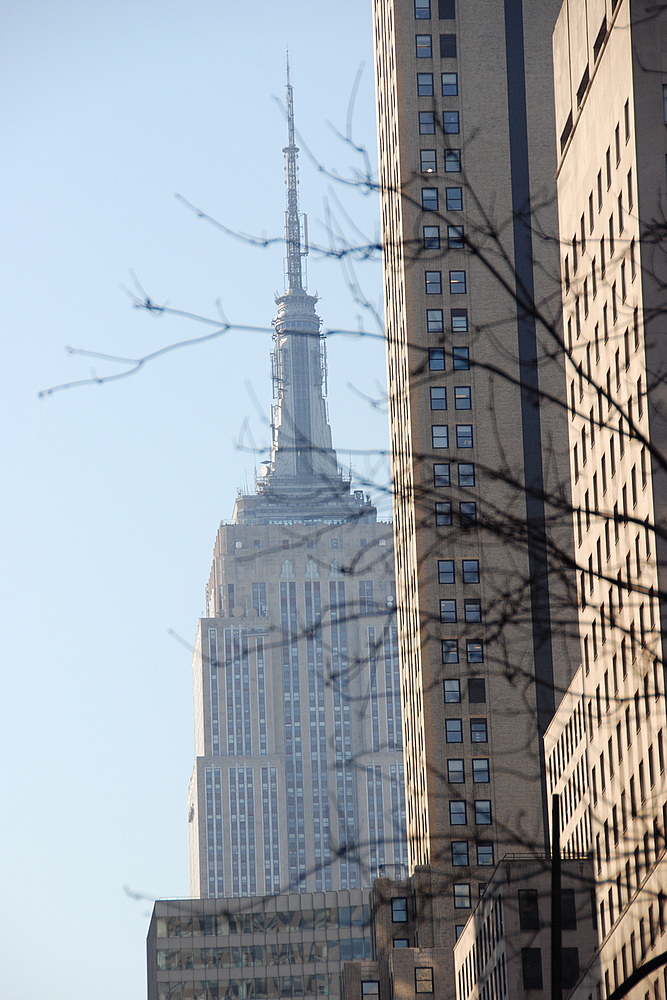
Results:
[446, 10]
[448, 46]
[457, 813]
[436, 359]
[470, 570]
[430, 199]
[485, 854]
[475, 653]
[427, 123]
[461, 355]
[450, 84]
[472, 610]
[452, 691]
[480, 770]
[455, 772]
[529, 913]
[460, 852]
[443, 513]
[476, 690]
[434, 321]
[570, 967]
[531, 962]
[568, 910]
[438, 394]
[423, 980]
[451, 124]
[466, 472]
[452, 161]
[424, 46]
[478, 731]
[446, 571]
[428, 161]
[464, 435]
[453, 731]
[448, 611]
[441, 475]
[399, 909]
[425, 84]
[450, 650]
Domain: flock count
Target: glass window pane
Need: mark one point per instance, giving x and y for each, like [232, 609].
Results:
[483, 812]
[472, 610]
[459, 320]
[443, 511]
[433, 280]
[453, 161]
[455, 240]
[438, 395]
[440, 436]
[480, 770]
[452, 691]
[461, 355]
[474, 651]
[462, 896]
[453, 731]
[428, 161]
[448, 611]
[457, 282]
[431, 236]
[436, 359]
[425, 84]
[426, 123]
[466, 472]
[457, 813]
[450, 84]
[454, 199]
[450, 650]
[441, 477]
[462, 397]
[434, 321]
[464, 436]
[459, 852]
[470, 570]
[423, 46]
[455, 772]
[430, 199]
[478, 731]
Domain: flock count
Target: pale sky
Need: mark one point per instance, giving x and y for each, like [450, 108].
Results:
[112, 494]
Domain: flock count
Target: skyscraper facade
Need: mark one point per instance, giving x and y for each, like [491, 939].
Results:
[487, 622]
[298, 782]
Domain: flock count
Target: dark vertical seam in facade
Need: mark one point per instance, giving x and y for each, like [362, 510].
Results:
[530, 401]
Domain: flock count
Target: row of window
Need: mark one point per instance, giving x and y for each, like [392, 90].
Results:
[467, 514]
[479, 731]
[431, 238]
[449, 85]
[437, 360]
[462, 397]
[424, 46]
[451, 122]
[446, 10]
[447, 571]
[466, 478]
[476, 690]
[440, 436]
[456, 771]
[457, 279]
[474, 652]
[428, 164]
[461, 853]
[472, 610]
[458, 319]
[481, 810]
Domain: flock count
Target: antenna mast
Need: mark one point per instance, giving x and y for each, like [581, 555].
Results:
[292, 222]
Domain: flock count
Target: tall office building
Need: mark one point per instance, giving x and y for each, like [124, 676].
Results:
[606, 745]
[298, 782]
[487, 622]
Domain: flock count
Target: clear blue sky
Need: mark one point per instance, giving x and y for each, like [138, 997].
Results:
[112, 494]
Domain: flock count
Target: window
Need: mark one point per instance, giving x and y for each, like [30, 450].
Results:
[446, 571]
[438, 397]
[450, 650]
[476, 687]
[452, 691]
[458, 930]
[425, 84]
[401, 942]
[459, 322]
[531, 964]
[460, 852]
[450, 122]
[450, 84]
[478, 731]
[452, 161]
[480, 770]
[423, 9]
[423, 980]
[529, 912]
[370, 988]
[462, 400]
[457, 813]
[568, 910]
[485, 853]
[570, 967]
[483, 812]
[448, 611]
[443, 513]
[468, 513]
[427, 123]
[448, 46]
[440, 436]
[464, 435]
[431, 237]
[436, 359]
[334, 543]
[470, 570]
[424, 46]
[430, 199]
[461, 896]
[453, 731]
[466, 471]
[433, 281]
[399, 909]
[446, 10]
[434, 322]
[475, 654]
[455, 240]
[441, 476]
[461, 355]
[455, 772]
[454, 199]
[428, 161]
[472, 610]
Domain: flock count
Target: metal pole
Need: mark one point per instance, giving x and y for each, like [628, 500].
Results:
[556, 901]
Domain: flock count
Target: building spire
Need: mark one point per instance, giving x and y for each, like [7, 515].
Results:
[293, 263]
